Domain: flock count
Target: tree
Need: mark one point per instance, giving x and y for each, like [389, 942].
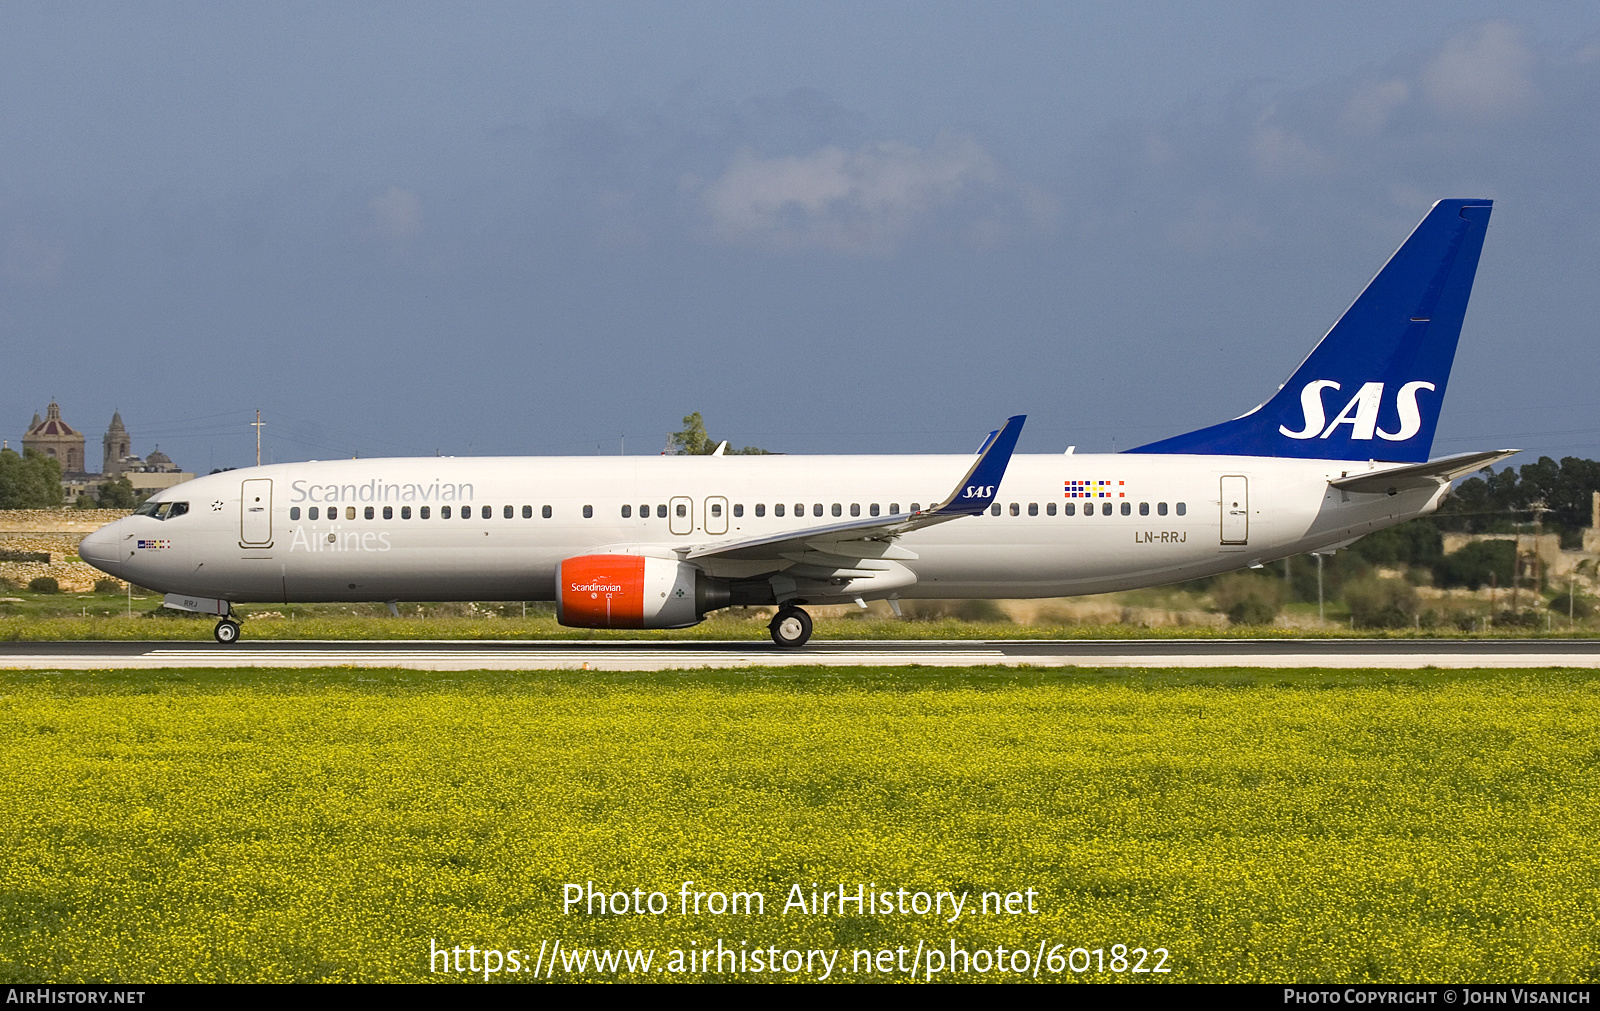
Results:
[118, 494]
[1381, 603]
[693, 440]
[29, 481]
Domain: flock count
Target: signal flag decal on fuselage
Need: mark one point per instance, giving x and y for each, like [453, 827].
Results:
[1095, 489]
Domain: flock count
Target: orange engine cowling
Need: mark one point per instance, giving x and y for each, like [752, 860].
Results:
[632, 591]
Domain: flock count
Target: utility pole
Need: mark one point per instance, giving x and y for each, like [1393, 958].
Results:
[1539, 509]
[1320, 618]
[257, 426]
[1516, 565]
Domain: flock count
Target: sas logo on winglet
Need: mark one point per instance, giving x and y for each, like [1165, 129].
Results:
[1361, 413]
[979, 491]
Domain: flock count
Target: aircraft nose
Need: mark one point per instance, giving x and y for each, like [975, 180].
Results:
[99, 548]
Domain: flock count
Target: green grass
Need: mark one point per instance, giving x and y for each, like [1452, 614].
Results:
[327, 825]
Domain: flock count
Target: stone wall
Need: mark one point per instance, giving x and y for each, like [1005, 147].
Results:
[62, 520]
[56, 531]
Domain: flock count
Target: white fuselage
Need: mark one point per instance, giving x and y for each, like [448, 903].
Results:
[250, 535]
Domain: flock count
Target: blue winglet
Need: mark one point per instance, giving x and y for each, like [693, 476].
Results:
[976, 491]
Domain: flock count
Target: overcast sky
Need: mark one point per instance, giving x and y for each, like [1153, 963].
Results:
[830, 227]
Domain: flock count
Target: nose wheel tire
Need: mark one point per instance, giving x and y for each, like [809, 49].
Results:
[227, 632]
[790, 628]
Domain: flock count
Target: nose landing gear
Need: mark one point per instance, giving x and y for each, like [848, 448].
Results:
[227, 631]
[790, 627]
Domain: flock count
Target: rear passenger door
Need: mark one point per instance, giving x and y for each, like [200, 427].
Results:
[1235, 510]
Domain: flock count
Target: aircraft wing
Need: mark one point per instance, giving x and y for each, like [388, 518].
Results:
[1420, 475]
[857, 541]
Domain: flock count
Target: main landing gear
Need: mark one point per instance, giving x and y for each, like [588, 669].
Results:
[227, 631]
[790, 627]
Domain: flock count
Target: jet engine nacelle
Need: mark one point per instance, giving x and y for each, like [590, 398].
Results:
[634, 591]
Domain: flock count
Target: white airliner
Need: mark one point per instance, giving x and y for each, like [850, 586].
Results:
[1341, 450]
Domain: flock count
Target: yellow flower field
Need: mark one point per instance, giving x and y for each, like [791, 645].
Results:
[348, 824]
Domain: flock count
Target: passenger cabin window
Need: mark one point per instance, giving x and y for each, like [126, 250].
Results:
[466, 512]
[894, 508]
[311, 513]
[682, 510]
[1050, 508]
[761, 509]
[994, 510]
[777, 510]
[422, 512]
[1015, 509]
[527, 512]
[1127, 508]
[349, 512]
[388, 512]
[509, 512]
[799, 509]
[855, 509]
[1144, 509]
[405, 512]
[627, 512]
[488, 511]
[716, 509]
[738, 510]
[916, 508]
[588, 512]
[1069, 509]
[1033, 508]
[838, 510]
[872, 510]
[661, 512]
[545, 512]
[1161, 508]
[294, 512]
[1181, 508]
[1105, 509]
[816, 509]
[444, 512]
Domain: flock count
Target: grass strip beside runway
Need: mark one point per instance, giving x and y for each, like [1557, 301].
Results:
[1259, 825]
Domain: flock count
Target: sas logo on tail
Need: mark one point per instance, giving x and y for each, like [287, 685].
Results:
[1361, 413]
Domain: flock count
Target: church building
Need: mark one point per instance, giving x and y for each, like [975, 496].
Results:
[53, 437]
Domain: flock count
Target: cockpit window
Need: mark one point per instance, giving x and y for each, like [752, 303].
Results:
[162, 510]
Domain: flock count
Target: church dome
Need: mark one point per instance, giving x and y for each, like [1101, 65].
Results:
[52, 423]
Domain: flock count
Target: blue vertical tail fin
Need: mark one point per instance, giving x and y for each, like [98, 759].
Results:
[1372, 387]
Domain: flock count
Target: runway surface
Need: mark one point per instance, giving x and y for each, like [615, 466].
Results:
[612, 655]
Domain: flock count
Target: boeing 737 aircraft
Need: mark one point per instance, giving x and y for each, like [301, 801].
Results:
[1341, 450]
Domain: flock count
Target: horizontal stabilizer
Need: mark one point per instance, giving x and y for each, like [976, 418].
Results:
[1420, 475]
